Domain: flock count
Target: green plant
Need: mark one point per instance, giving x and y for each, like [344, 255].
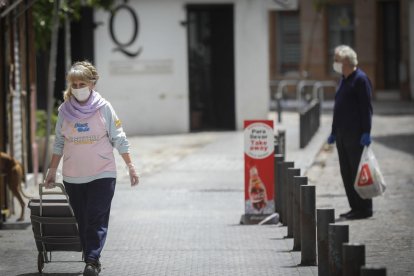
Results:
[319, 5]
[41, 121]
[43, 14]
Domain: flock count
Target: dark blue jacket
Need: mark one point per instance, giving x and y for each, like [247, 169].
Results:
[353, 109]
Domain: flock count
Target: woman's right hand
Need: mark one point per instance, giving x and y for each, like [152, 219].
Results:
[50, 178]
[133, 175]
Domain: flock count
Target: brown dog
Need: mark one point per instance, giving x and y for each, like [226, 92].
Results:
[14, 175]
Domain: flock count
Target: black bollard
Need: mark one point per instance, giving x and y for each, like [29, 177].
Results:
[353, 258]
[282, 141]
[323, 218]
[338, 234]
[298, 181]
[291, 173]
[279, 187]
[278, 159]
[276, 144]
[279, 108]
[283, 189]
[2, 197]
[308, 225]
[373, 271]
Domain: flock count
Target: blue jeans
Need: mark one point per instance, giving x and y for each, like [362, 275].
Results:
[91, 203]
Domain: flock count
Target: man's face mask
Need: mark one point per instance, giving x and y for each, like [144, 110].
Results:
[337, 66]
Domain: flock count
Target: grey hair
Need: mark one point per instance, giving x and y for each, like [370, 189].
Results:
[346, 52]
[339, 48]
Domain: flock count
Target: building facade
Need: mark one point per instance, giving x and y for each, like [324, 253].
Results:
[380, 31]
[177, 66]
[174, 66]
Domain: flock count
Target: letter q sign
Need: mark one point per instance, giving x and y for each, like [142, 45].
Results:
[122, 46]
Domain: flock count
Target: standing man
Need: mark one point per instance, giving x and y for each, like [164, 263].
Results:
[351, 126]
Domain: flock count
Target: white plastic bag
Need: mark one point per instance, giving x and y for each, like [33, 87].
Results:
[369, 181]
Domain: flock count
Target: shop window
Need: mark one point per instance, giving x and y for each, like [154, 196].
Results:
[288, 42]
[341, 28]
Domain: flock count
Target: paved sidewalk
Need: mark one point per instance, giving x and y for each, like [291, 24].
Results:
[183, 218]
[388, 235]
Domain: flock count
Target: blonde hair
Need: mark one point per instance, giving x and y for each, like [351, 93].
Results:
[346, 52]
[80, 71]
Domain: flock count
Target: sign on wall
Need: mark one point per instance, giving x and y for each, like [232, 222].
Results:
[259, 167]
[125, 46]
[282, 5]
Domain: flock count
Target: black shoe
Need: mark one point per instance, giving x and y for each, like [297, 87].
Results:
[359, 214]
[92, 268]
[345, 214]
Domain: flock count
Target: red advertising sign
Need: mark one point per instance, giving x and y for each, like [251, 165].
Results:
[259, 167]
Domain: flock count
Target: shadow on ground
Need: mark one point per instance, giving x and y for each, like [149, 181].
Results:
[401, 142]
[51, 274]
[15, 225]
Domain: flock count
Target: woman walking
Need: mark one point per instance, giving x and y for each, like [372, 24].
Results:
[87, 130]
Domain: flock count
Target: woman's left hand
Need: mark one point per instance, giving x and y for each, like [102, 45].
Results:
[133, 175]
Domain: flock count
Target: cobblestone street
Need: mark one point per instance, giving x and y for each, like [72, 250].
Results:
[201, 137]
[183, 218]
[389, 233]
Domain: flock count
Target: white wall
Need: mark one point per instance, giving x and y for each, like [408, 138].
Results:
[252, 64]
[147, 103]
[157, 102]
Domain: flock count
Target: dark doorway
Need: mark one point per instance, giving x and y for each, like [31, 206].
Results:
[389, 45]
[82, 48]
[211, 67]
[82, 36]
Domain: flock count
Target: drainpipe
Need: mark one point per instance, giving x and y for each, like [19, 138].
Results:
[411, 37]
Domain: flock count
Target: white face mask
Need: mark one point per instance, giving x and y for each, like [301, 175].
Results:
[81, 94]
[337, 66]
